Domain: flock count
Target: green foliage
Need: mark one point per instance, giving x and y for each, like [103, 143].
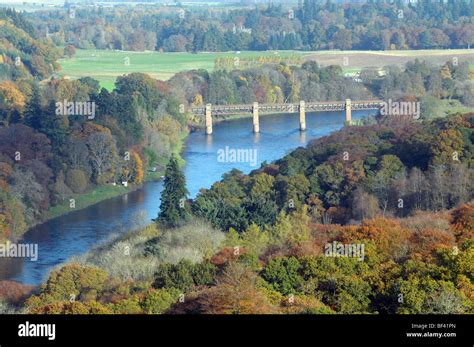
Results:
[173, 208]
[184, 275]
[73, 282]
[129, 305]
[23, 54]
[283, 275]
[342, 282]
[157, 301]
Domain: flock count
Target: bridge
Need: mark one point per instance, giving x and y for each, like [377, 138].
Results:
[209, 111]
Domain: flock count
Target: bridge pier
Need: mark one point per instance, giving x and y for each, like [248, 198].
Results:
[256, 122]
[208, 120]
[348, 111]
[302, 116]
[322, 106]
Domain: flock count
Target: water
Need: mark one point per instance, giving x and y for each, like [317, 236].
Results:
[75, 233]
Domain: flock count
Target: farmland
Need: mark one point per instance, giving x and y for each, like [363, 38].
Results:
[105, 66]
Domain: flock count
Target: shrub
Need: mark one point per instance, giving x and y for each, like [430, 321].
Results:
[157, 301]
[76, 180]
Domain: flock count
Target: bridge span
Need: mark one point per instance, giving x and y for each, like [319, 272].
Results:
[209, 111]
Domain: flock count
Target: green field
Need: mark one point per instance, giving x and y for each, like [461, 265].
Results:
[87, 199]
[105, 66]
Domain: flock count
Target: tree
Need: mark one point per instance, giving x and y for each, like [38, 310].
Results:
[447, 148]
[33, 111]
[103, 154]
[184, 275]
[132, 170]
[76, 180]
[390, 167]
[173, 207]
[72, 281]
[342, 39]
[364, 205]
[158, 301]
[12, 102]
[236, 292]
[283, 276]
[69, 51]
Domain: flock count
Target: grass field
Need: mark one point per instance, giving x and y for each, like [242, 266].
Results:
[87, 199]
[105, 66]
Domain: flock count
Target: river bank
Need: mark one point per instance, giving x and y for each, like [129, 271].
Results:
[102, 193]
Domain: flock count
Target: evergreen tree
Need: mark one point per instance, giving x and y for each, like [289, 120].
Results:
[33, 110]
[173, 208]
[55, 126]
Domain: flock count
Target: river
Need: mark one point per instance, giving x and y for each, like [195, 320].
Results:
[75, 233]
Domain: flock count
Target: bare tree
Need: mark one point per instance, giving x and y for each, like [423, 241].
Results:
[364, 205]
[102, 151]
[77, 154]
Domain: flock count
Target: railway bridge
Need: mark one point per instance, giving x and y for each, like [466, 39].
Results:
[209, 111]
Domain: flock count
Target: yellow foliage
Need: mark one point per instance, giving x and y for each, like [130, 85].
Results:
[12, 95]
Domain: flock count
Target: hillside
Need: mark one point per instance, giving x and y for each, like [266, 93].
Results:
[274, 246]
[22, 53]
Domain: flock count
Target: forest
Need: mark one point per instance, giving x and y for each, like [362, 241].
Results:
[311, 25]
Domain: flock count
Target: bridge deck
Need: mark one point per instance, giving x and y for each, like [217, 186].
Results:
[320, 106]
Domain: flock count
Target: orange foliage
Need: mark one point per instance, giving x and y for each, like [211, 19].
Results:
[162, 87]
[235, 293]
[76, 307]
[14, 292]
[226, 255]
[389, 236]
[89, 128]
[427, 241]
[303, 304]
[5, 171]
[462, 220]
[305, 248]
[339, 215]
